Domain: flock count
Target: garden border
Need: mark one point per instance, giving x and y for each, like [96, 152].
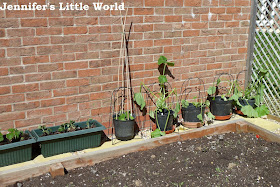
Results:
[57, 166]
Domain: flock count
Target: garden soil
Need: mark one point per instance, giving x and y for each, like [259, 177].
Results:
[221, 160]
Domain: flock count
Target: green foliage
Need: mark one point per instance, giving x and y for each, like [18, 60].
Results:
[45, 130]
[13, 134]
[161, 96]
[157, 133]
[88, 123]
[185, 103]
[138, 97]
[249, 111]
[1, 137]
[210, 115]
[124, 116]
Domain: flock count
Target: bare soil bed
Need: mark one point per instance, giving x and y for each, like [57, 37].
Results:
[221, 160]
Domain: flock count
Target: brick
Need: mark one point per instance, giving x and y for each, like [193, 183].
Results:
[50, 67]
[48, 31]
[174, 3]
[9, 23]
[225, 17]
[86, 21]
[2, 33]
[215, 39]
[38, 22]
[62, 39]
[198, 68]
[27, 122]
[64, 74]
[218, 10]
[214, 66]
[99, 29]
[76, 65]
[19, 13]
[36, 113]
[47, 13]
[38, 95]
[89, 72]
[11, 116]
[233, 10]
[100, 95]
[109, 54]
[61, 22]
[143, 28]
[26, 106]
[46, 50]
[37, 77]
[154, 3]
[189, 33]
[242, 3]
[154, 19]
[162, 42]
[11, 80]
[173, 18]
[143, 43]
[195, 54]
[216, 25]
[77, 99]
[21, 32]
[52, 102]
[87, 55]
[65, 108]
[23, 51]
[4, 71]
[5, 108]
[242, 50]
[55, 118]
[35, 60]
[62, 57]
[35, 40]
[199, 25]
[75, 30]
[232, 24]
[11, 42]
[52, 85]
[96, 80]
[6, 125]
[192, 3]
[5, 90]
[143, 11]
[75, 48]
[77, 82]
[201, 10]
[172, 49]
[65, 92]
[226, 3]
[25, 88]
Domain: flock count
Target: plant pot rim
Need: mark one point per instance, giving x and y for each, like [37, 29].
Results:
[154, 127]
[36, 132]
[20, 143]
[223, 117]
[114, 115]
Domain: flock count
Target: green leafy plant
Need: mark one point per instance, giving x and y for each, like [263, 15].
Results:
[1, 137]
[88, 123]
[67, 127]
[214, 90]
[255, 90]
[200, 104]
[125, 116]
[45, 130]
[160, 97]
[13, 134]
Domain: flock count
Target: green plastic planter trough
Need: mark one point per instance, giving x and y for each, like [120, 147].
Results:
[70, 141]
[16, 152]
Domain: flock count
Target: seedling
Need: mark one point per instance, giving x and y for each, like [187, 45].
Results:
[124, 116]
[45, 130]
[67, 127]
[88, 123]
[13, 134]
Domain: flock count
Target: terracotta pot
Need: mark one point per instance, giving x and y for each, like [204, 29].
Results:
[154, 127]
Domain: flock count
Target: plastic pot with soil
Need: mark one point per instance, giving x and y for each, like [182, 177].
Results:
[165, 120]
[124, 128]
[244, 102]
[220, 108]
[190, 116]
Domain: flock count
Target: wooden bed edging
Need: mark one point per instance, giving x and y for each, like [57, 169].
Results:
[240, 125]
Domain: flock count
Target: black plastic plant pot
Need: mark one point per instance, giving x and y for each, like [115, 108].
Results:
[162, 117]
[243, 102]
[71, 141]
[16, 152]
[190, 113]
[124, 130]
[221, 109]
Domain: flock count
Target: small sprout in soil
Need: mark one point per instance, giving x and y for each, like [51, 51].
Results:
[218, 170]
[13, 134]
[88, 123]
[178, 184]
[45, 130]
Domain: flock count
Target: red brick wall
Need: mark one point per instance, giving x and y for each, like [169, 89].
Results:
[62, 65]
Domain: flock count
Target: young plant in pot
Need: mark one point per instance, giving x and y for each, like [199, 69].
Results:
[221, 104]
[15, 147]
[193, 113]
[164, 114]
[249, 101]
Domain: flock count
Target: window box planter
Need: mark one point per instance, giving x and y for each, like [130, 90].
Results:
[16, 152]
[70, 141]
